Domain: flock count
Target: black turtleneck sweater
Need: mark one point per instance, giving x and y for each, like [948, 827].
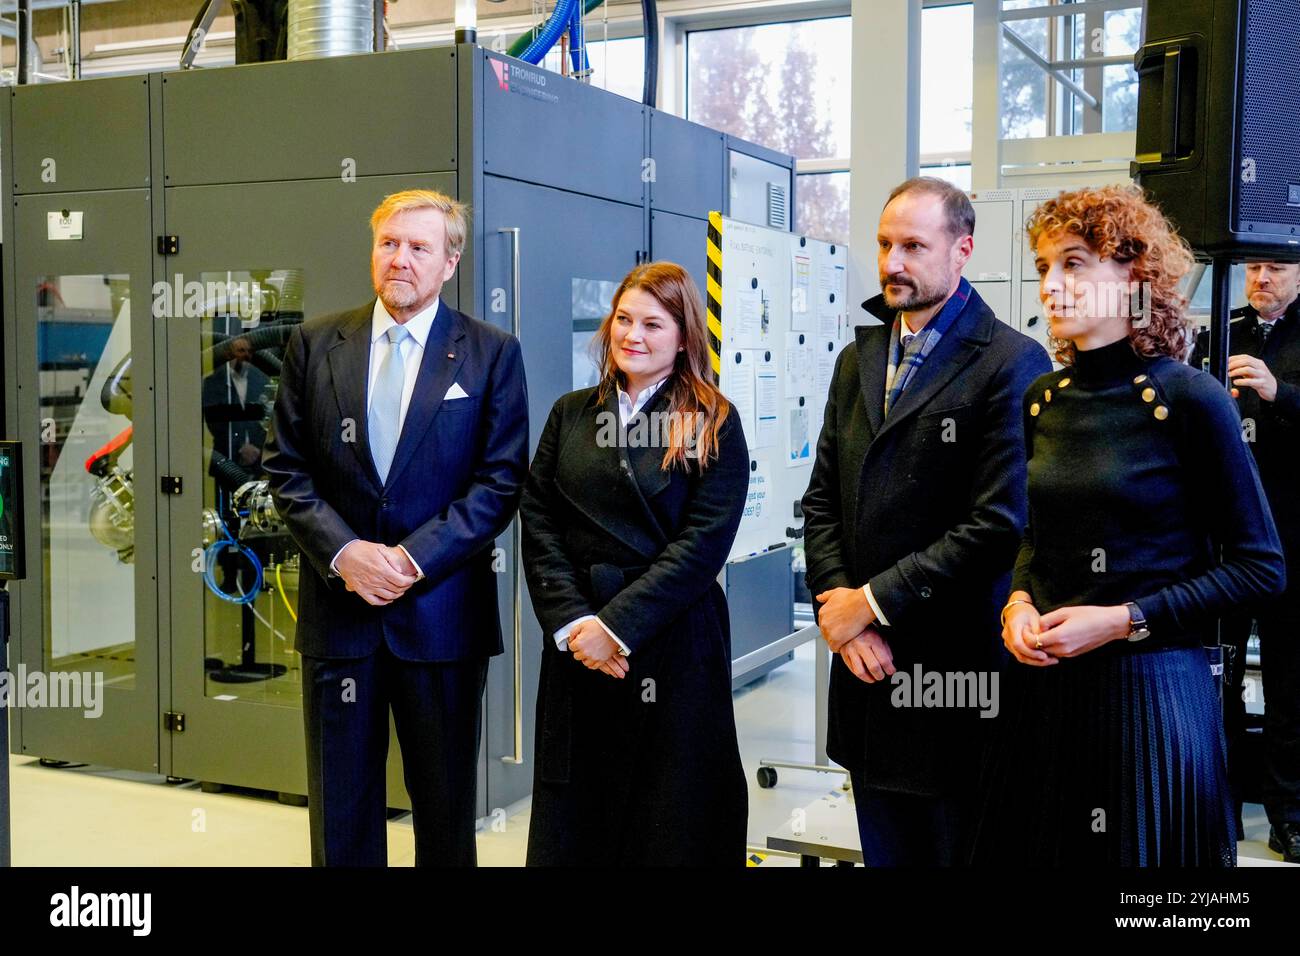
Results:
[1137, 472]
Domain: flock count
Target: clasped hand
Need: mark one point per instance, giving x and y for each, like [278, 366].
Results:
[591, 644]
[378, 573]
[847, 621]
[844, 614]
[1042, 640]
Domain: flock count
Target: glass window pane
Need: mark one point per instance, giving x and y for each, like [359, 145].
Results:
[251, 565]
[616, 65]
[1077, 46]
[822, 209]
[782, 85]
[1119, 99]
[1202, 296]
[1123, 31]
[947, 48]
[83, 330]
[1025, 87]
[1123, 35]
[956, 173]
[1024, 84]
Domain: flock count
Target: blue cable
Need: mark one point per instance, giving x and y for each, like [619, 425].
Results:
[550, 32]
[210, 563]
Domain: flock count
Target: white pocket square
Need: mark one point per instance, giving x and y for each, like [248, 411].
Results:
[455, 392]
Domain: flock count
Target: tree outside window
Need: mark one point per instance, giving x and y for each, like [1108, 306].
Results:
[784, 86]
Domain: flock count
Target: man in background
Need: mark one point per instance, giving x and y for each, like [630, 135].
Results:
[1264, 371]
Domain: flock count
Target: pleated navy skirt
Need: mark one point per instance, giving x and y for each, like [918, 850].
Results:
[1108, 759]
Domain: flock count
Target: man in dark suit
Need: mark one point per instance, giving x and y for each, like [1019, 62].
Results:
[232, 405]
[397, 454]
[1264, 368]
[913, 516]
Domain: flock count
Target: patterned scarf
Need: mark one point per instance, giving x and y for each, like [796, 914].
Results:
[904, 362]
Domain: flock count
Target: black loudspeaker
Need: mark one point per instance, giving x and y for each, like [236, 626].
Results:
[1218, 129]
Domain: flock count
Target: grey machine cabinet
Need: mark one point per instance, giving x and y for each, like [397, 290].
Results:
[264, 175]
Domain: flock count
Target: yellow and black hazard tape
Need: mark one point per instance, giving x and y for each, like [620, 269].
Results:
[714, 292]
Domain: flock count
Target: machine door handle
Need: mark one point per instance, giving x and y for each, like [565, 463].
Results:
[513, 232]
[516, 537]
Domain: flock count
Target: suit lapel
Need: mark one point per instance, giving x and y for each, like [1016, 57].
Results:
[873, 361]
[935, 372]
[1282, 337]
[442, 359]
[972, 328]
[349, 362]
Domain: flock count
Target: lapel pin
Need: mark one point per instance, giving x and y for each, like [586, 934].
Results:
[451, 355]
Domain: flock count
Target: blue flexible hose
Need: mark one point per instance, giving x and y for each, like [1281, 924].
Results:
[210, 564]
[550, 32]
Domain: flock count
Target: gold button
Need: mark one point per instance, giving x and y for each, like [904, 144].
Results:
[1148, 394]
[1161, 412]
[1034, 409]
[1062, 383]
[1139, 380]
[1047, 395]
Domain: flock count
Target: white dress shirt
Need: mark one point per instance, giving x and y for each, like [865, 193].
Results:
[626, 409]
[239, 380]
[412, 349]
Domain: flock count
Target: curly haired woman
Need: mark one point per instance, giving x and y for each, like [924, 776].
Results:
[1146, 522]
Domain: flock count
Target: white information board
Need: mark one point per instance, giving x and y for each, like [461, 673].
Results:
[784, 320]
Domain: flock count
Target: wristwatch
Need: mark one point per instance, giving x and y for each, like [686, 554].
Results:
[1137, 623]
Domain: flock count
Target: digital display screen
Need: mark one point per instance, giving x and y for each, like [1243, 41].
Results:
[11, 510]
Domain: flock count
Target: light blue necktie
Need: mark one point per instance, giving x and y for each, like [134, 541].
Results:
[385, 417]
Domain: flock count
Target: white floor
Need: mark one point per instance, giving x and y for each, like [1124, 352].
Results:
[90, 816]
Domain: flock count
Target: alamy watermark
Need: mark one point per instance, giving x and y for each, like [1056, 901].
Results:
[133, 911]
[1126, 298]
[175, 298]
[653, 430]
[73, 690]
[954, 689]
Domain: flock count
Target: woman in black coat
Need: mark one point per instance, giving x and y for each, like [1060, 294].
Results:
[1146, 522]
[629, 513]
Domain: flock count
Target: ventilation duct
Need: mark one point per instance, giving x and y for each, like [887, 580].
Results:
[319, 28]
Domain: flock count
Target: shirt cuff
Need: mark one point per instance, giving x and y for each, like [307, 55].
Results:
[623, 648]
[871, 599]
[418, 573]
[562, 635]
[334, 571]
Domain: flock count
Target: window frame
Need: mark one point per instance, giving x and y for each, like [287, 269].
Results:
[949, 157]
[776, 13]
[1060, 100]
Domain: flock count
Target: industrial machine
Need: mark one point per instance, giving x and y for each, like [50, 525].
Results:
[162, 236]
